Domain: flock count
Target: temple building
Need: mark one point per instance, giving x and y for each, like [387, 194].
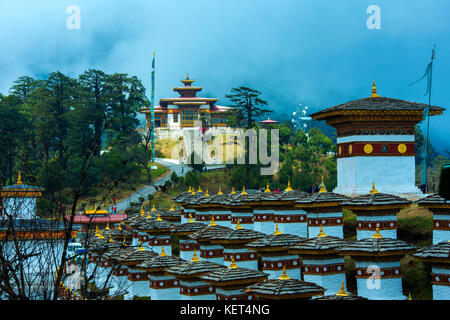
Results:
[440, 208]
[378, 270]
[375, 141]
[376, 210]
[181, 112]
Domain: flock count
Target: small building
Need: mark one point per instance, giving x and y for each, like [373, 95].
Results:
[189, 273]
[230, 283]
[284, 288]
[378, 272]
[438, 256]
[440, 208]
[323, 209]
[321, 262]
[376, 211]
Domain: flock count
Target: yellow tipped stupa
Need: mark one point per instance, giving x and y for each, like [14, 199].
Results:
[220, 191]
[142, 212]
[377, 234]
[189, 190]
[342, 291]
[233, 264]
[154, 208]
[373, 190]
[141, 248]
[149, 216]
[172, 208]
[212, 223]
[190, 218]
[107, 227]
[322, 187]
[284, 275]
[206, 194]
[232, 191]
[124, 243]
[289, 187]
[158, 218]
[100, 235]
[163, 253]
[199, 189]
[19, 179]
[194, 257]
[267, 188]
[321, 233]
[238, 225]
[110, 239]
[243, 190]
[374, 90]
[277, 231]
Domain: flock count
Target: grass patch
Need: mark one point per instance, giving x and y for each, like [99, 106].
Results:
[417, 230]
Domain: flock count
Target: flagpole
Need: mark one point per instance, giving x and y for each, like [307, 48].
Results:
[152, 103]
[428, 121]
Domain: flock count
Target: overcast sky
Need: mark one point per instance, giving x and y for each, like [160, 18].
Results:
[319, 52]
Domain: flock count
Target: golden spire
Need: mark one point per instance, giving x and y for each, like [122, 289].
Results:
[322, 188]
[409, 296]
[232, 191]
[163, 253]
[141, 248]
[187, 75]
[277, 231]
[212, 223]
[194, 257]
[238, 225]
[96, 231]
[19, 179]
[342, 291]
[120, 227]
[233, 265]
[142, 212]
[190, 218]
[284, 275]
[373, 188]
[110, 239]
[124, 243]
[193, 191]
[243, 190]
[172, 208]
[107, 226]
[158, 218]
[377, 234]
[321, 233]
[207, 194]
[199, 189]
[289, 186]
[154, 209]
[189, 190]
[149, 216]
[100, 235]
[374, 90]
[267, 188]
[220, 191]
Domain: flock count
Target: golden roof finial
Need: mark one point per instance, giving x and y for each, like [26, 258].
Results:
[238, 225]
[110, 239]
[199, 189]
[207, 194]
[373, 188]
[190, 218]
[243, 190]
[321, 233]
[96, 230]
[377, 234]
[124, 243]
[189, 190]
[374, 90]
[284, 275]
[342, 291]
[187, 75]
[232, 191]
[194, 257]
[141, 248]
[323, 188]
[212, 223]
[149, 216]
[158, 218]
[142, 212]
[100, 235]
[289, 186]
[107, 226]
[267, 188]
[193, 191]
[409, 296]
[220, 191]
[120, 227]
[233, 264]
[154, 208]
[172, 208]
[19, 179]
[163, 253]
[277, 231]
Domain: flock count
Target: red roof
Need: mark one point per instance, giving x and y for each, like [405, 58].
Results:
[83, 219]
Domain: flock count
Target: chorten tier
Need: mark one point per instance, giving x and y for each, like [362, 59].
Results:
[322, 263]
[230, 283]
[189, 273]
[162, 286]
[208, 250]
[185, 200]
[290, 219]
[323, 209]
[376, 210]
[173, 216]
[274, 254]
[234, 246]
[375, 141]
[378, 271]
[186, 245]
[440, 208]
[214, 205]
[438, 256]
[284, 287]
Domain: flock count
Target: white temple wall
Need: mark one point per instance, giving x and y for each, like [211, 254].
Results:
[21, 208]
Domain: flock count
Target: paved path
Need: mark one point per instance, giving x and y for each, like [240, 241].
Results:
[179, 169]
